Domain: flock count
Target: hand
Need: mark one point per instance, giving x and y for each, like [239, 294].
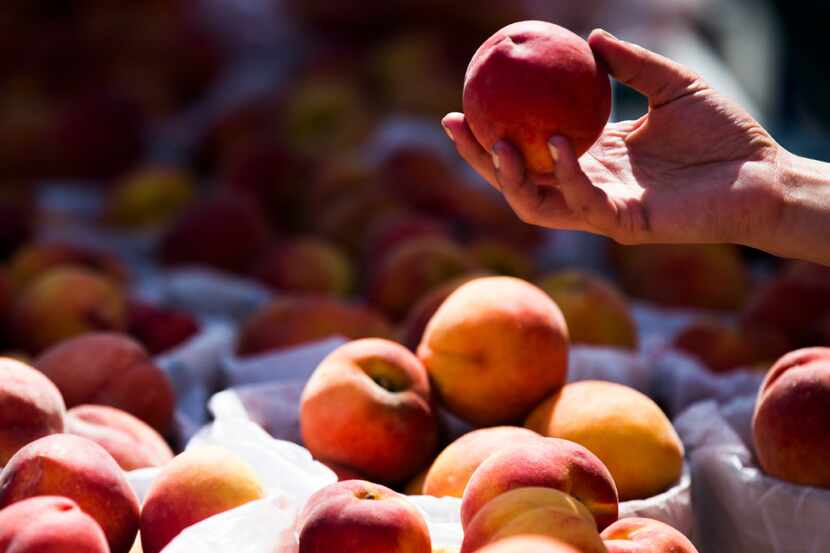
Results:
[695, 168]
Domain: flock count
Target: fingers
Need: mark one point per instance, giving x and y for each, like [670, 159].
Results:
[659, 78]
[468, 147]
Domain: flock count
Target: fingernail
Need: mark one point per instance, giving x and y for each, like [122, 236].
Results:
[607, 34]
[554, 152]
[495, 158]
[448, 131]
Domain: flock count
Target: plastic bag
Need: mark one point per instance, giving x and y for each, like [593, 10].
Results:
[210, 293]
[294, 363]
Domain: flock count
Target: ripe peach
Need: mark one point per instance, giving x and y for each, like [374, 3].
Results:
[81, 470]
[157, 328]
[532, 80]
[494, 349]
[149, 196]
[306, 265]
[31, 407]
[502, 258]
[548, 463]
[49, 524]
[131, 442]
[195, 485]
[291, 321]
[790, 420]
[454, 466]
[645, 535]
[595, 310]
[66, 302]
[110, 369]
[528, 544]
[34, 260]
[621, 426]
[534, 510]
[361, 517]
[368, 406]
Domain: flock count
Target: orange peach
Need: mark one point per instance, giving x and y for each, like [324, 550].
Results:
[149, 196]
[790, 421]
[528, 544]
[34, 260]
[534, 510]
[494, 349]
[368, 406]
[547, 463]
[530, 81]
[31, 407]
[623, 427]
[81, 470]
[454, 466]
[645, 535]
[131, 442]
[361, 517]
[197, 484]
[306, 265]
[596, 311]
[110, 369]
[49, 524]
[292, 321]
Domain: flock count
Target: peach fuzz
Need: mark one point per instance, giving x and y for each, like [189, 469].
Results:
[368, 406]
[623, 427]
[791, 419]
[131, 442]
[31, 407]
[533, 510]
[528, 544]
[361, 517]
[49, 524]
[530, 81]
[452, 469]
[545, 463]
[495, 348]
[81, 470]
[645, 535]
[595, 310]
[195, 485]
[65, 302]
[110, 369]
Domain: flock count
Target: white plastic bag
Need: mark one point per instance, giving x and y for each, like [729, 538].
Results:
[293, 363]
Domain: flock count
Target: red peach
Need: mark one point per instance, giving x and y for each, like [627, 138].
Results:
[49, 524]
[159, 329]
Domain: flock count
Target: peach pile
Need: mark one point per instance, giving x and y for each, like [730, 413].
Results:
[49, 523]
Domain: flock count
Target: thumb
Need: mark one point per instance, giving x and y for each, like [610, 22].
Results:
[657, 77]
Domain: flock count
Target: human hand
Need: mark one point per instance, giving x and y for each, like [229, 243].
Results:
[695, 168]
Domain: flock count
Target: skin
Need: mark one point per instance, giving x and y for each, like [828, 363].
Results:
[696, 168]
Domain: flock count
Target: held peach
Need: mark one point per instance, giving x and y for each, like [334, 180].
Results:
[368, 406]
[533, 510]
[645, 535]
[530, 81]
[790, 423]
[494, 349]
[361, 517]
[623, 427]
[81, 470]
[49, 524]
[452, 469]
[197, 484]
[547, 463]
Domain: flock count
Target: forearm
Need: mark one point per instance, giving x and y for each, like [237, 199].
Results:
[803, 229]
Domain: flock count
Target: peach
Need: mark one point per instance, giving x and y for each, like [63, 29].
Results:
[528, 544]
[31, 407]
[81, 470]
[49, 524]
[623, 427]
[368, 406]
[645, 535]
[225, 232]
[494, 349]
[502, 258]
[195, 485]
[110, 369]
[34, 260]
[532, 80]
[149, 196]
[595, 310]
[157, 328]
[534, 510]
[291, 321]
[306, 265]
[546, 463]
[413, 268]
[708, 276]
[131, 442]
[388, 232]
[66, 302]
[454, 466]
[416, 485]
[343, 472]
[361, 517]
[789, 426]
